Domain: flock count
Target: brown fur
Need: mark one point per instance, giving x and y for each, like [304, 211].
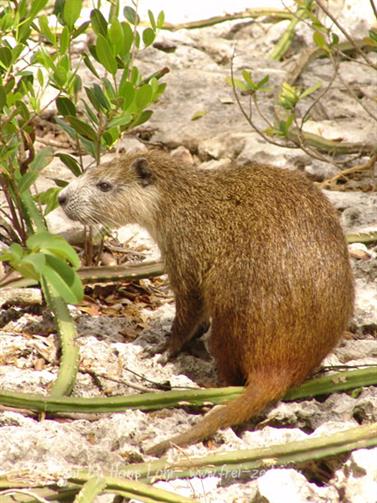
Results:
[256, 249]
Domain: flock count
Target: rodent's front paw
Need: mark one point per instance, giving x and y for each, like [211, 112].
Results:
[152, 351]
[166, 356]
[168, 349]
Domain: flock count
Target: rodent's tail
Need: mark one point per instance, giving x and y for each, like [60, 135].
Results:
[258, 394]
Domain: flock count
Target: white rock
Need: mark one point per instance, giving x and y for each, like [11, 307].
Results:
[269, 436]
[358, 478]
[288, 485]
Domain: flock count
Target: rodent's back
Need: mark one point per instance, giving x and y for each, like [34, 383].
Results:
[272, 255]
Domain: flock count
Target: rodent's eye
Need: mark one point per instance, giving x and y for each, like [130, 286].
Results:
[104, 186]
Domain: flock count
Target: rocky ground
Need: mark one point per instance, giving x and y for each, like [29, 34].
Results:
[115, 325]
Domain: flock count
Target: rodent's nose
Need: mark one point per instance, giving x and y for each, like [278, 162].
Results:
[62, 198]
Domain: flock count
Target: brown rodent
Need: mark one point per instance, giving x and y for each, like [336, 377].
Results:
[257, 250]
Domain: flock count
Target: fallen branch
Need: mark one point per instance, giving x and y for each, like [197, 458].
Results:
[369, 165]
[97, 274]
[248, 13]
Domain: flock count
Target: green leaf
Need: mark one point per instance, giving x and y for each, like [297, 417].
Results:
[64, 41]
[135, 76]
[36, 6]
[111, 136]
[44, 59]
[238, 84]
[148, 36]
[109, 88]
[41, 160]
[65, 106]
[121, 120]
[45, 30]
[144, 96]
[262, 83]
[82, 128]
[90, 113]
[89, 146]
[9, 85]
[3, 98]
[65, 127]
[199, 114]
[128, 36]
[99, 97]
[23, 110]
[71, 163]
[13, 254]
[131, 15]
[5, 57]
[126, 91]
[116, 37]
[40, 77]
[60, 183]
[24, 31]
[246, 74]
[160, 19]
[289, 96]
[63, 279]
[152, 19]
[373, 35]
[310, 90]
[143, 117]
[105, 54]
[319, 40]
[60, 76]
[51, 243]
[75, 83]
[81, 29]
[49, 198]
[37, 261]
[99, 23]
[71, 12]
[89, 65]
[334, 39]
[96, 104]
[58, 9]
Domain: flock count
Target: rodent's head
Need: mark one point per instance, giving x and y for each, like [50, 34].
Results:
[116, 193]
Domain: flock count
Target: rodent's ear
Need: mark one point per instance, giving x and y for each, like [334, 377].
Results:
[143, 171]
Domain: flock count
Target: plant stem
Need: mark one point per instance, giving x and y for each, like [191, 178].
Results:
[69, 362]
[285, 41]
[244, 461]
[91, 489]
[133, 489]
[337, 382]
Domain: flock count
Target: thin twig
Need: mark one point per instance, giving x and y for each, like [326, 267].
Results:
[249, 117]
[374, 8]
[123, 382]
[249, 13]
[345, 33]
[354, 95]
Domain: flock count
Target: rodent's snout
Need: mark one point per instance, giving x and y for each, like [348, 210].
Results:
[62, 198]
